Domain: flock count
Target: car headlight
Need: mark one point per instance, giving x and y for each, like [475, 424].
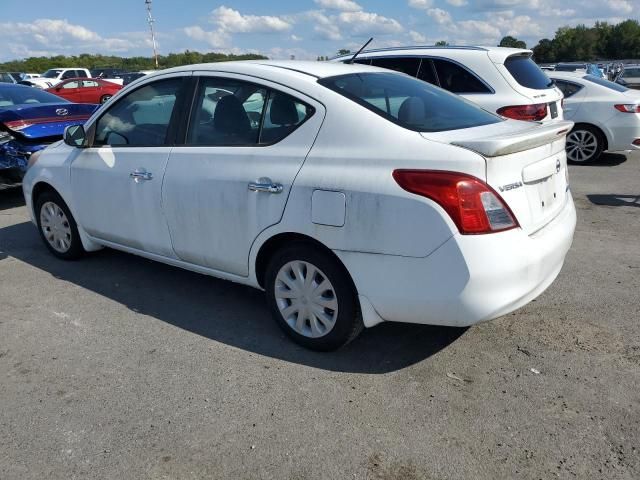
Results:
[33, 159]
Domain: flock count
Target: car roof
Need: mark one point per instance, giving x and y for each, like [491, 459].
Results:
[312, 69]
[498, 54]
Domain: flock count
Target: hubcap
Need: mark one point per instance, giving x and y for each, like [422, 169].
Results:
[55, 227]
[581, 145]
[306, 299]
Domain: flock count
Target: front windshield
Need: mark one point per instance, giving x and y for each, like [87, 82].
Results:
[26, 96]
[410, 103]
[53, 73]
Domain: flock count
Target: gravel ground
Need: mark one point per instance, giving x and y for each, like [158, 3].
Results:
[115, 367]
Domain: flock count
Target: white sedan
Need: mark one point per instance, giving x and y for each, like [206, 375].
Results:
[606, 115]
[351, 194]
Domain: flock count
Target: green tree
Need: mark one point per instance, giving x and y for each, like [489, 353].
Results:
[442, 43]
[512, 42]
[344, 51]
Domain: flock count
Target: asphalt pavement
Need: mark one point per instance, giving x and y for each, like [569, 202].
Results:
[115, 367]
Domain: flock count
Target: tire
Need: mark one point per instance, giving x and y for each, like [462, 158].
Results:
[105, 98]
[57, 227]
[323, 320]
[584, 144]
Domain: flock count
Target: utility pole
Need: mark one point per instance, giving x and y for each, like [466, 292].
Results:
[153, 35]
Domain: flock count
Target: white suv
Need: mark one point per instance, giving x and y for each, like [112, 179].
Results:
[54, 76]
[502, 80]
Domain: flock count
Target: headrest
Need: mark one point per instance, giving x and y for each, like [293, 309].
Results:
[412, 111]
[229, 116]
[283, 110]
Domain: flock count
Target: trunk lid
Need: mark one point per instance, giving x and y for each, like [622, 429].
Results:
[526, 164]
[44, 120]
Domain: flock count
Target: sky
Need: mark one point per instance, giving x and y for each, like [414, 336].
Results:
[305, 29]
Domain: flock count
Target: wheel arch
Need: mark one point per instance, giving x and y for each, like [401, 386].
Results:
[280, 240]
[602, 133]
[42, 186]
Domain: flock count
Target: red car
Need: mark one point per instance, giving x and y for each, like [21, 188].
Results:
[85, 90]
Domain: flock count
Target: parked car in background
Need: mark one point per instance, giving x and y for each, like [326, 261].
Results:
[350, 194]
[606, 115]
[28, 76]
[31, 119]
[85, 90]
[571, 67]
[8, 77]
[127, 78]
[113, 75]
[53, 76]
[502, 80]
[630, 77]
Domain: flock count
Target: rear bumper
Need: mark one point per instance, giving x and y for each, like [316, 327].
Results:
[622, 130]
[469, 279]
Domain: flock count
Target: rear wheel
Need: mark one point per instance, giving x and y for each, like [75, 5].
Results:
[584, 144]
[57, 227]
[105, 98]
[312, 298]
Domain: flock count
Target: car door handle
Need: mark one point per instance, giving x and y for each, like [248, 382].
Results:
[265, 185]
[141, 174]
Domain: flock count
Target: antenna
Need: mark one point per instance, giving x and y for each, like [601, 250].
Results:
[153, 35]
[359, 51]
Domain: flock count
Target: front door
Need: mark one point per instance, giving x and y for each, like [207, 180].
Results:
[117, 183]
[246, 143]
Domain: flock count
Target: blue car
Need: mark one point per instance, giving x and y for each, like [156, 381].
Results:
[31, 119]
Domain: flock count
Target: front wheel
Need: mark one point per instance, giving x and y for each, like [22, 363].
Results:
[312, 298]
[105, 98]
[57, 227]
[584, 144]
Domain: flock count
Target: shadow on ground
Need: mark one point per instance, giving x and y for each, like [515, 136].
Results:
[222, 311]
[614, 200]
[11, 198]
[606, 160]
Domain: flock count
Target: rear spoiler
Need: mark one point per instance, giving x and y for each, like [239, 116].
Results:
[519, 141]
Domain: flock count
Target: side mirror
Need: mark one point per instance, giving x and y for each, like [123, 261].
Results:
[75, 136]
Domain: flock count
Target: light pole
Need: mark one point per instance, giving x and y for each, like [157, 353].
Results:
[153, 35]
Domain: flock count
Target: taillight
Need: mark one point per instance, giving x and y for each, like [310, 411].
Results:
[473, 205]
[535, 112]
[628, 108]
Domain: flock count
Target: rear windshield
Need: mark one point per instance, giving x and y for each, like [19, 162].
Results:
[408, 102]
[605, 83]
[26, 95]
[527, 73]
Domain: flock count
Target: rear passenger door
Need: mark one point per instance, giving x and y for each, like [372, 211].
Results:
[230, 179]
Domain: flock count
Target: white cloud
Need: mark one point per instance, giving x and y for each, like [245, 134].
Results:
[367, 23]
[457, 3]
[621, 6]
[342, 5]
[421, 4]
[417, 37]
[474, 27]
[215, 39]
[441, 17]
[233, 21]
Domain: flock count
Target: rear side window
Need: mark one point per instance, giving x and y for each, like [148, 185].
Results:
[568, 88]
[409, 102]
[457, 79]
[408, 65]
[81, 74]
[527, 73]
[605, 83]
[235, 113]
[631, 72]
